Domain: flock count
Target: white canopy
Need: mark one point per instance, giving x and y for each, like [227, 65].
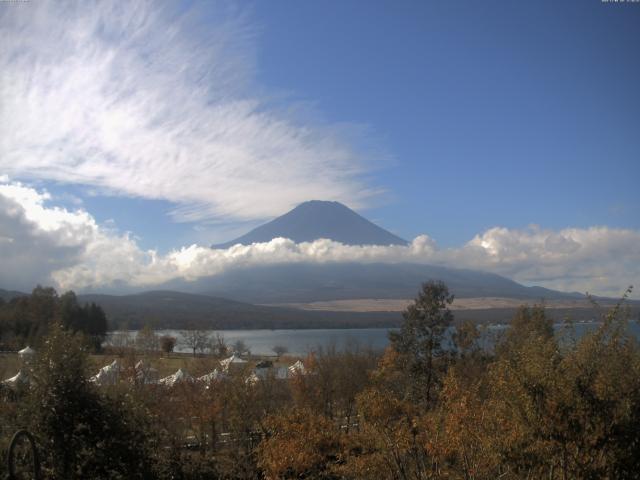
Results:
[102, 378]
[20, 378]
[146, 374]
[27, 352]
[297, 368]
[211, 377]
[178, 377]
[108, 375]
[252, 379]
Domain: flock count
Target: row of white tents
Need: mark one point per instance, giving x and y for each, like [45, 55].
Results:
[146, 374]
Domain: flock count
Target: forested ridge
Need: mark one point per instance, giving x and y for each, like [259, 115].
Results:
[25, 319]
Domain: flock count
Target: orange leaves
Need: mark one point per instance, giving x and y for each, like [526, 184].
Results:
[299, 444]
[467, 436]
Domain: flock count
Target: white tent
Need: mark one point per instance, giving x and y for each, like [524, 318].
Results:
[26, 353]
[146, 374]
[212, 377]
[257, 375]
[252, 379]
[108, 375]
[297, 368]
[141, 365]
[232, 360]
[178, 377]
[17, 380]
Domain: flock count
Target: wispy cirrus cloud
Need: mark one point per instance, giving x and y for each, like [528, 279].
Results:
[41, 243]
[159, 100]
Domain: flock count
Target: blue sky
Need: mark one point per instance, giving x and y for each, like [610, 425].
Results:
[491, 113]
[495, 113]
[173, 124]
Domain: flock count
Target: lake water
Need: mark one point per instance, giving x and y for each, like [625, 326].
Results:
[301, 342]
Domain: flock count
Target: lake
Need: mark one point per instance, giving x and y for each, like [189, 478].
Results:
[301, 342]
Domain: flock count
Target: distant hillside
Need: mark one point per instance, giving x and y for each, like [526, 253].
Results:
[338, 281]
[7, 295]
[170, 309]
[318, 219]
[175, 310]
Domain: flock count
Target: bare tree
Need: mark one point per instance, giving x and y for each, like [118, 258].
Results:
[241, 348]
[147, 340]
[196, 340]
[218, 346]
[120, 341]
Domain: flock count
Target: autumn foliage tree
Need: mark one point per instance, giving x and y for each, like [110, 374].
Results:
[569, 410]
[300, 444]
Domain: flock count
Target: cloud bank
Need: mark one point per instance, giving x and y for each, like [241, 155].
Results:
[47, 244]
[143, 99]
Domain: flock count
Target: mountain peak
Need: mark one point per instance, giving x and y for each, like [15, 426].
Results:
[316, 219]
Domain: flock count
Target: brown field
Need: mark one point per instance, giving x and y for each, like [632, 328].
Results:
[397, 305]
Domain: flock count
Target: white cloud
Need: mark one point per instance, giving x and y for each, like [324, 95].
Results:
[153, 100]
[38, 241]
[42, 243]
[600, 260]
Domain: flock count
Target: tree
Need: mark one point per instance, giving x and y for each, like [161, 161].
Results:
[196, 340]
[218, 346]
[97, 326]
[568, 410]
[147, 340]
[28, 317]
[280, 350]
[121, 340]
[420, 338]
[529, 324]
[465, 339]
[84, 434]
[167, 343]
[240, 348]
[300, 444]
